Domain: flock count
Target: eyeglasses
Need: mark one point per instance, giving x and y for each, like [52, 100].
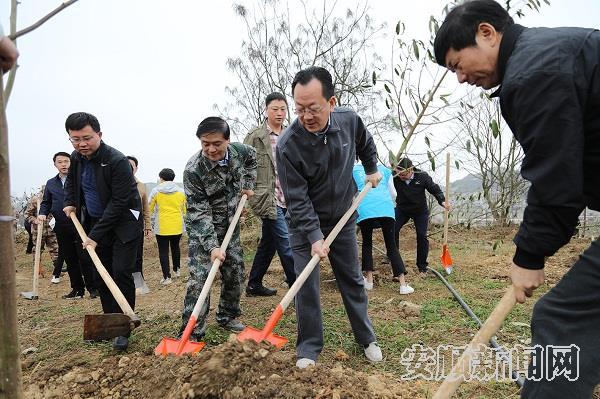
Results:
[77, 140]
[312, 111]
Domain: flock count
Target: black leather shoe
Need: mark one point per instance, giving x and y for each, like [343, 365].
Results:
[233, 325]
[74, 294]
[260, 291]
[121, 344]
[94, 293]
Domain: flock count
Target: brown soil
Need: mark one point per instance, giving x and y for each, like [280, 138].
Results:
[231, 370]
[61, 365]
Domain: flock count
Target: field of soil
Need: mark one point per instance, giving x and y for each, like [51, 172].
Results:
[57, 363]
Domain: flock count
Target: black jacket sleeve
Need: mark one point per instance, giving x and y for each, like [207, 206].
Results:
[70, 183]
[366, 148]
[434, 190]
[544, 112]
[295, 190]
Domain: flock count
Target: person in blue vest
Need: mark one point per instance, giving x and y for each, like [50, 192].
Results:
[377, 211]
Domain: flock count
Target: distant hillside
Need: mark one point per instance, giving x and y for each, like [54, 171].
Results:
[467, 185]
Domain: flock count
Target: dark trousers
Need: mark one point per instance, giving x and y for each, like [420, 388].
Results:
[569, 314]
[58, 263]
[139, 259]
[343, 256]
[421, 222]
[275, 238]
[30, 240]
[387, 225]
[68, 249]
[163, 253]
[119, 260]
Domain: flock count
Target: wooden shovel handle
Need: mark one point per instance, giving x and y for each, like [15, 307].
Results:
[483, 336]
[301, 278]
[38, 252]
[115, 291]
[446, 212]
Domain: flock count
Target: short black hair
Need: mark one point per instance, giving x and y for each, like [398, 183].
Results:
[275, 96]
[460, 26]
[404, 163]
[61, 154]
[134, 159]
[167, 174]
[213, 124]
[79, 120]
[314, 72]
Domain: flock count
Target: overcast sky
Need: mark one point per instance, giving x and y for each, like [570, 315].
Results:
[151, 70]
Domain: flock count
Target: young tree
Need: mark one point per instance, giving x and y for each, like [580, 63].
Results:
[279, 43]
[495, 154]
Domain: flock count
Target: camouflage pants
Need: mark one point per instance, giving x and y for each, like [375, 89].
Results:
[232, 281]
[48, 240]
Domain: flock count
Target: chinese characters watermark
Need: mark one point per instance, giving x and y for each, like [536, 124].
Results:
[489, 364]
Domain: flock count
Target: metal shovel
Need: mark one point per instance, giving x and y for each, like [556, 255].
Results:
[100, 327]
[266, 334]
[184, 345]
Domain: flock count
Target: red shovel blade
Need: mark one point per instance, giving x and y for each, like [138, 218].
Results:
[259, 335]
[170, 346]
[446, 259]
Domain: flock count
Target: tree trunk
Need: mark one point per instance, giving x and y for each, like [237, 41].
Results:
[10, 364]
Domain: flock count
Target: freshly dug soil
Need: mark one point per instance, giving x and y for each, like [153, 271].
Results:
[231, 370]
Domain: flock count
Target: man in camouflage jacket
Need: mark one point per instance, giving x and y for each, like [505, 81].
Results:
[214, 180]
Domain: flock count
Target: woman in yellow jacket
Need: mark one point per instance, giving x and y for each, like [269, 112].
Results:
[167, 207]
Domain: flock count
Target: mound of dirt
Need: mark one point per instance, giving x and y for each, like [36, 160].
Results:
[231, 370]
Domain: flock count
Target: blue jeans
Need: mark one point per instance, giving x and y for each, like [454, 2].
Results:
[421, 222]
[275, 238]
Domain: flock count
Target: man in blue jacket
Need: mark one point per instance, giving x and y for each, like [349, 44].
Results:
[549, 94]
[52, 204]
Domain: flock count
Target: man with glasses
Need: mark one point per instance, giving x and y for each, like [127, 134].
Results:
[268, 202]
[315, 158]
[101, 190]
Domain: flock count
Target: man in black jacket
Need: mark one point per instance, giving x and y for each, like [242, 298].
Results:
[101, 189]
[550, 97]
[52, 204]
[410, 184]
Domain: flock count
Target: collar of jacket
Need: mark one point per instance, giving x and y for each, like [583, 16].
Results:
[210, 165]
[507, 45]
[97, 156]
[332, 127]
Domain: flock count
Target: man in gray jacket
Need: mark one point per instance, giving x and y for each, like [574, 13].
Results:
[268, 202]
[315, 158]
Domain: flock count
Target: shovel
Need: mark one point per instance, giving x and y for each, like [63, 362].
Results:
[446, 258]
[266, 333]
[100, 327]
[139, 282]
[36, 261]
[483, 336]
[184, 345]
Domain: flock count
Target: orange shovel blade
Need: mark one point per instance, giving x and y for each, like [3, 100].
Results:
[171, 346]
[259, 335]
[446, 258]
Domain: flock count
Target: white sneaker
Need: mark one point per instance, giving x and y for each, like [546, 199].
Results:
[166, 281]
[406, 289]
[178, 273]
[55, 280]
[373, 352]
[304, 362]
[368, 286]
